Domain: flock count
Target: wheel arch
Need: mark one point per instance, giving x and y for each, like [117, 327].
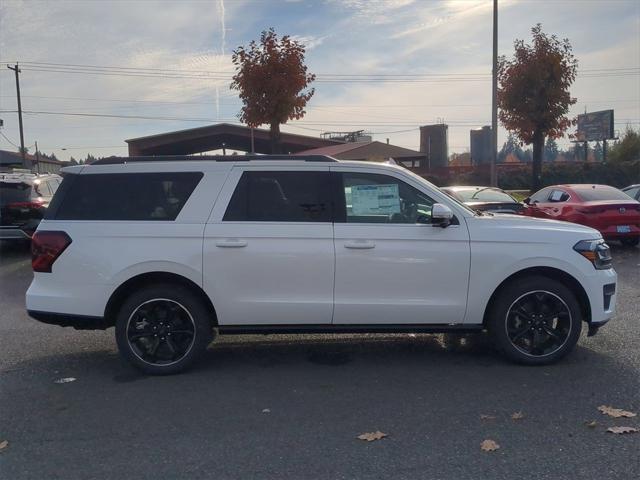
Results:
[550, 272]
[144, 279]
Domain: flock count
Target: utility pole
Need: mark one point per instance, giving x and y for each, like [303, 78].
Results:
[494, 100]
[16, 69]
[37, 158]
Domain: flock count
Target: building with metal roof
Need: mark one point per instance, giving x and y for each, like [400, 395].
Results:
[221, 136]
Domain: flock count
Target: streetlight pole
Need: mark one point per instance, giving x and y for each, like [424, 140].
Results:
[494, 100]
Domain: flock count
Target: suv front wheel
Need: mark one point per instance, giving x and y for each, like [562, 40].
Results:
[535, 320]
[163, 329]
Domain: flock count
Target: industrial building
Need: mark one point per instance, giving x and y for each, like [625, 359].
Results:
[40, 164]
[434, 141]
[368, 151]
[480, 141]
[341, 145]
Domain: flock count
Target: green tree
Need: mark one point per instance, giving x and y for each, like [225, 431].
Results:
[512, 145]
[551, 150]
[597, 152]
[533, 93]
[627, 148]
[272, 78]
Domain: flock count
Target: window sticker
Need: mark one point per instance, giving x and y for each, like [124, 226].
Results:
[375, 199]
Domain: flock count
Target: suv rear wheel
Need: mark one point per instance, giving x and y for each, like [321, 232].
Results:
[535, 321]
[163, 329]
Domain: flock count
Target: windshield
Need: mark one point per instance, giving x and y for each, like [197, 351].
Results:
[14, 192]
[484, 195]
[600, 192]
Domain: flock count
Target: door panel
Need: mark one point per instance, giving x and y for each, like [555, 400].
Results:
[398, 273]
[263, 272]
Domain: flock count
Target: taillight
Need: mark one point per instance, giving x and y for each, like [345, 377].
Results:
[32, 204]
[46, 247]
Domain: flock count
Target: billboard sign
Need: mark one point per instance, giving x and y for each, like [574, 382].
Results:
[595, 126]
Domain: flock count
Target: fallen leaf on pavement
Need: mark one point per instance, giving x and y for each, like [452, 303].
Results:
[621, 430]
[65, 380]
[487, 417]
[517, 416]
[615, 412]
[591, 424]
[489, 445]
[371, 436]
[3, 444]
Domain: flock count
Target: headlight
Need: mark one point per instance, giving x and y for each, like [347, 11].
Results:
[596, 251]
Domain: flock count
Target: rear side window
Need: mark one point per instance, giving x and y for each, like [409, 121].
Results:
[600, 192]
[271, 196]
[124, 196]
[11, 192]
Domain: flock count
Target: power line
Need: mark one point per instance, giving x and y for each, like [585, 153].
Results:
[7, 139]
[321, 78]
[451, 123]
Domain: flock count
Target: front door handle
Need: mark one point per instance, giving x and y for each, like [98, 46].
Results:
[360, 244]
[231, 243]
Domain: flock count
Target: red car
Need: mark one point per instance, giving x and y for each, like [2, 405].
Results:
[607, 209]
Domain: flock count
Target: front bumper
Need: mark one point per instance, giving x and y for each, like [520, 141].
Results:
[601, 289]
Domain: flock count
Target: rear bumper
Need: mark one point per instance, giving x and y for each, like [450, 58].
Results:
[79, 322]
[13, 233]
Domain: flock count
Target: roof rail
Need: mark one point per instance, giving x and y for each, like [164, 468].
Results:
[213, 158]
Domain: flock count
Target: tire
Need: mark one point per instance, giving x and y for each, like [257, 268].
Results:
[162, 329]
[526, 312]
[630, 242]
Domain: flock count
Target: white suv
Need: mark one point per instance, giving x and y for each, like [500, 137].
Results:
[170, 250]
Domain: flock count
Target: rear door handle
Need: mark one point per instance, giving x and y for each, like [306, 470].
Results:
[231, 243]
[360, 244]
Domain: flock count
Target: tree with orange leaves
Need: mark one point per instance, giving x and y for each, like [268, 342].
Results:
[272, 79]
[533, 92]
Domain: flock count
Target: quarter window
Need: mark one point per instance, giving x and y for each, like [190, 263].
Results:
[272, 196]
[376, 198]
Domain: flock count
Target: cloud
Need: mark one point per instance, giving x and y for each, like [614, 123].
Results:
[341, 36]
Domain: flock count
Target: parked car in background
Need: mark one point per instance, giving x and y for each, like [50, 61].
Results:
[633, 191]
[485, 199]
[171, 252]
[24, 198]
[602, 207]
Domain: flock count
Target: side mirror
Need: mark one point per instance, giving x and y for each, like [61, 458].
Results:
[441, 215]
[526, 201]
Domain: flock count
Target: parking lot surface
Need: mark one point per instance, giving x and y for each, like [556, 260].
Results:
[291, 407]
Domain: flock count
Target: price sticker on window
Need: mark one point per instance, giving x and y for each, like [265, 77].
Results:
[375, 199]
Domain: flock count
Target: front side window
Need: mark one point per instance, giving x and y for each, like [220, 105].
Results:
[540, 197]
[558, 196]
[272, 196]
[377, 198]
[124, 196]
[633, 192]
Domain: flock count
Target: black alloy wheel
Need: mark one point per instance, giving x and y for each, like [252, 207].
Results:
[538, 323]
[535, 320]
[161, 331]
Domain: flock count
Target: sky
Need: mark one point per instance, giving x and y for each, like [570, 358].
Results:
[442, 49]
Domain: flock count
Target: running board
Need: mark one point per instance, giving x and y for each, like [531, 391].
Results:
[333, 329]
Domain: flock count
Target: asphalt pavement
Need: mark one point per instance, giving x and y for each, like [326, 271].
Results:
[291, 407]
